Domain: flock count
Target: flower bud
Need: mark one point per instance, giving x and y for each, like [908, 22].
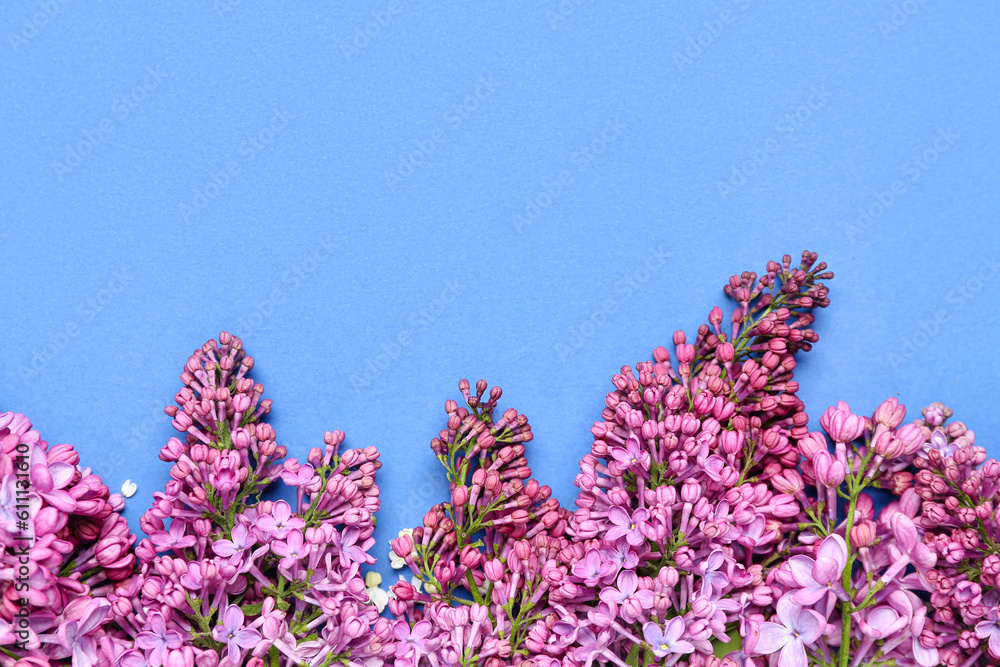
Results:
[493, 569]
[459, 496]
[402, 546]
[863, 534]
[890, 414]
[471, 557]
[841, 424]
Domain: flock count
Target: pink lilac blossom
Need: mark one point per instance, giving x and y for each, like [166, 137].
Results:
[228, 579]
[492, 561]
[864, 576]
[712, 528]
[64, 545]
[957, 517]
[692, 482]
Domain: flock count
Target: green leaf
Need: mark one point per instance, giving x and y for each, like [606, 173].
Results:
[633, 656]
[253, 609]
[721, 649]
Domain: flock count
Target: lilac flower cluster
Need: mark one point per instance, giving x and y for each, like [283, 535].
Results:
[960, 519]
[712, 529]
[688, 494]
[853, 591]
[64, 544]
[491, 562]
[228, 579]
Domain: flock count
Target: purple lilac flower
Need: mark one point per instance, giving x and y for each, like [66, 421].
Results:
[820, 577]
[215, 545]
[280, 521]
[797, 628]
[157, 640]
[174, 539]
[626, 526]
[627, 596]
[666, 641]
[989, 629]
[232, 633]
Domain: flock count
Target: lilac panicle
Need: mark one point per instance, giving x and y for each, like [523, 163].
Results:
[691, 484]
[228, 579]
[64, 545]
[499, 545]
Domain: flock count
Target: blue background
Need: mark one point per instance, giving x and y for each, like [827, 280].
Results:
[487, 191]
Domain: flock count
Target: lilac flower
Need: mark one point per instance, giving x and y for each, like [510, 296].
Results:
[74, 636]
[222, 466]
[626, 526]
[292, 550]
[376, 594]
[907, 548]
[346, 543]
[591, 645]
[882, 621]
[412, 641]
[990, 628]
[175, 539]
[232, 633]
[667, 641]
[619, 557]
[820, 577]
[632, 456]
[713, 466]
[302, 477]
[280, 521]
[940, 442]
[713, 582]
[797, 628]
[753, 534]
[927, 657]
[49, 479]
[243, 539]
[157, 639]
[8, 504]
[593, 568]
[628, 596]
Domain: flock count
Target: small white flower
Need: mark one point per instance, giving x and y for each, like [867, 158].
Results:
[395, 561]
[376, 595]
[129, 488]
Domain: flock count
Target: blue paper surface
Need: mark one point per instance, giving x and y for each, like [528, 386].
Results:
[385, 197]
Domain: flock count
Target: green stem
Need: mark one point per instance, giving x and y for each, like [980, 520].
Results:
[844, 654]
[855, 484]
